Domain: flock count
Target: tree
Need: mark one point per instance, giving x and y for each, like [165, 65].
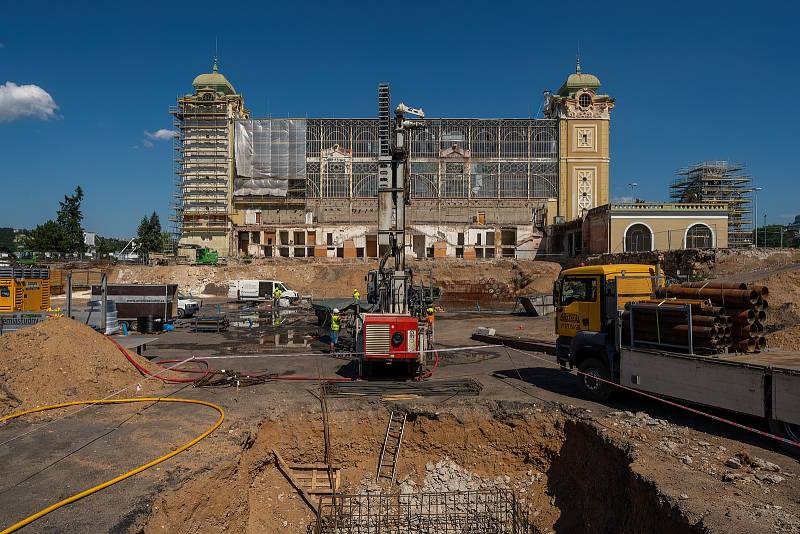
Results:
[69, 219]
[7, 239]
[47, 237]
[107, 245]
[166, 242]
[773, 236]
[149, 234]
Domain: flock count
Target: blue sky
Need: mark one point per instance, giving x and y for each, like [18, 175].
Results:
[693, 81]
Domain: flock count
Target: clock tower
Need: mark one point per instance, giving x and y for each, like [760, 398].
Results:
[584, 122]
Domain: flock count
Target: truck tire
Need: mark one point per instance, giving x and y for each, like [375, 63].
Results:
[788, 431]
[591, 388]
[181, 313]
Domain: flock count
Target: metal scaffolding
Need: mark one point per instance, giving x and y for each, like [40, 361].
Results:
[201, 165]
[722, 183]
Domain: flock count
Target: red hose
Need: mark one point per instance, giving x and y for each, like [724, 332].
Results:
[429, 372]
[146, 372]
[210, 371]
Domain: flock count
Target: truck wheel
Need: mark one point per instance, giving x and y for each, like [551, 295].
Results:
[594, 389]
[788, 431]
[181, 313]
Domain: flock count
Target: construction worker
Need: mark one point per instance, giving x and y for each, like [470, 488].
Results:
[276, 296]
[336, 325]
[429, 312]
[356, 296]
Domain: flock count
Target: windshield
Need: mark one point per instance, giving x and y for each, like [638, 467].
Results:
[578, 289]
[282, 287]
[184, 296]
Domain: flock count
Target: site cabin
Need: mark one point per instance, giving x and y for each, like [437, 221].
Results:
[258, 290]
[590, 337]
[138, 300]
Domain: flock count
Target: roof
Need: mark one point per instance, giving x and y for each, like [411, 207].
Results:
[579, 80]
[610, 269]
[215, 81]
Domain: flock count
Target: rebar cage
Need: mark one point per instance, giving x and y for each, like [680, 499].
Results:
[495, 511]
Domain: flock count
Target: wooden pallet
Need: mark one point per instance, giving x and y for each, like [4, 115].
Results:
[310, 479]
[316, 478]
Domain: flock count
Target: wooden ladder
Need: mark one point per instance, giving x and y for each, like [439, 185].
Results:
[387, 463]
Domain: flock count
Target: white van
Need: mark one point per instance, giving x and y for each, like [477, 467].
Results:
[258, 290]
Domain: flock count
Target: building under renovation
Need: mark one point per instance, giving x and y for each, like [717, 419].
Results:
[720, 183]
[307, 187]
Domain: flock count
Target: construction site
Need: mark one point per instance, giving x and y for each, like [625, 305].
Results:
[410, 325]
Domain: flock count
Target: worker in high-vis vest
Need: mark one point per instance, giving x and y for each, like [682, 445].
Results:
[429, 312]
[357, 296]
[336, 325]
[276, 296]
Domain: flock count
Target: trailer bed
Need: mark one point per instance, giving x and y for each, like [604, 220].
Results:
[763, 385]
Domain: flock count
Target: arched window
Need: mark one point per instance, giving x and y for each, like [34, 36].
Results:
[638, 238]
[699, 236]
[585, 100]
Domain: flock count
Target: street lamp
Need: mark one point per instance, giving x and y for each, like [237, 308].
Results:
[765, 229]
[755, 218]
[633, 186]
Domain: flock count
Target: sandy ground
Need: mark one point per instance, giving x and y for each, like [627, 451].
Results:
[229, 482]
[629, 465]
[338, 278]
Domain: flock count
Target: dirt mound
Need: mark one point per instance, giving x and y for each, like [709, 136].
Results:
[62, 360]
[336, 278]
[785, 339]
[783, 314]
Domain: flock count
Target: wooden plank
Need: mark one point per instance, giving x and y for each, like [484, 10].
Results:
[287, 472]
[311, 466]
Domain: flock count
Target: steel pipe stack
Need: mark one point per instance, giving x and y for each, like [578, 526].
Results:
[742, 306]
[666, 322]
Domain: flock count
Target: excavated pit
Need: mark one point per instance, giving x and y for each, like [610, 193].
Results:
[559, 473]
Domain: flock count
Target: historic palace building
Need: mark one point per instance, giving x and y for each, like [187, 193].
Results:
[307, 187]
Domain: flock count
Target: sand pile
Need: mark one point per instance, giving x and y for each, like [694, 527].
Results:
[62, 360]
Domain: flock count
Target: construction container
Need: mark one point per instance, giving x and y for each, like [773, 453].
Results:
[24, 289]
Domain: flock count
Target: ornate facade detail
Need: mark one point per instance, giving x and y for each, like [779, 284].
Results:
[585, 190]
[571, 110]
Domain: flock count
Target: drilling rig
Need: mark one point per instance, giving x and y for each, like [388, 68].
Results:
[392, 335]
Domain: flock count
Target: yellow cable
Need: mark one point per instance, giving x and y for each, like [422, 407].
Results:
[81, 495]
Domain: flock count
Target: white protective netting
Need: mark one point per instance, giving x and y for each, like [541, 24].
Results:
[269, 152]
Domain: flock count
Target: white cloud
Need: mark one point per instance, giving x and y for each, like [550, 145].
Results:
[17, 101]
[160, 135]
[624, 200]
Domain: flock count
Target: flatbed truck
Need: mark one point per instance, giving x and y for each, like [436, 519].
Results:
[589, 302]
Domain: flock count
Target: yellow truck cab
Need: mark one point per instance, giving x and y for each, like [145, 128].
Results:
[588, 301]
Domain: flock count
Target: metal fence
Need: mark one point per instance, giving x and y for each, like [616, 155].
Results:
[464, 512]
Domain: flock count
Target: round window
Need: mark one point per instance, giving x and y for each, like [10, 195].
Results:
[585, 100]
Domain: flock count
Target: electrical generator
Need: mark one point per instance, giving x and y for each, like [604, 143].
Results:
[388, 339]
